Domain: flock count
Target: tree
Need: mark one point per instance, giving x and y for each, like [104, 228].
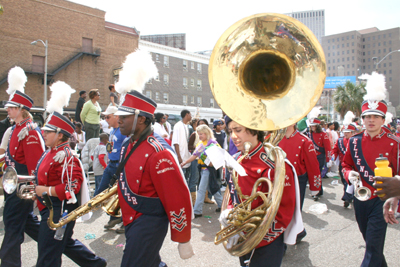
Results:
[349, 97]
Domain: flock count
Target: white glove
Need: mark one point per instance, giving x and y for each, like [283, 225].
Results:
[329, 164]
[59, 157]
[25, 131]
[353, 177]
[223, 219]
[185, 250]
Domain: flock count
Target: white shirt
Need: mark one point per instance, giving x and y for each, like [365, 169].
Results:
[160, 130]
[181, 137]
[81, 139]
[6, 137]
[168, 127]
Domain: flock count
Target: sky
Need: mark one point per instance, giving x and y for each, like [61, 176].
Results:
[205, 21]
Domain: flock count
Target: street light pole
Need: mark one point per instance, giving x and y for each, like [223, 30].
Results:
[45, 74]
[376, 59]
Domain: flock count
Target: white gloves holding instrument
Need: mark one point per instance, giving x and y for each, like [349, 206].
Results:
[223, 219]
[353, 177]
[185, 250]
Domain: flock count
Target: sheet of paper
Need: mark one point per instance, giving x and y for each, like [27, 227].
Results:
[219, 157]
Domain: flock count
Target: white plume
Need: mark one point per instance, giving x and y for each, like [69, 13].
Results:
[348, 118]
[376, 90]
[314, 113]
[388, 118]
[137, 69]
[16, 80]
[60, 95]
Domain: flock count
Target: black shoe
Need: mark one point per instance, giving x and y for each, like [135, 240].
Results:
[346, 204]
[218, 210]
[198, 215]
[120, 230]
[316, 197]
[300, 236]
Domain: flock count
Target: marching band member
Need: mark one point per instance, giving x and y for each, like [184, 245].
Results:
[388, 120]
[288, 222]
[339, 150]
[25, 147]
[321, 144]
[152, 173]
[60, 174]
[301, 153]
[359, 163]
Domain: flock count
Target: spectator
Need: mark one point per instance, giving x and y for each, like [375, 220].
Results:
[105, 127]
[194, 174]
[90, 115]
[209, 175]
[4, 125]
[79, 135]
[113, 95]
[99, 159]
[159, 126]
[167, 124]
[180, 140]
[203, 121]
[219, 134]
[79, 106]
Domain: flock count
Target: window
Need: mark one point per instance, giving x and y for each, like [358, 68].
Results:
[185, 85]
[148, 94]
[184, 99]
[166, 61]
[329, 54]
[87, 45]
[211, 102]
[157, 57]
[338, 60]
[192, 99]
[199, 85]
[157, 96]
[199, 68]
[199, 101]
[157, 78]
[192, 82]
[166, 98]
[166, 79]
[184, 64]
[192, 65]
[38, 64]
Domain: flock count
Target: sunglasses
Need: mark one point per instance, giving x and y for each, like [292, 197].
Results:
[107, 117]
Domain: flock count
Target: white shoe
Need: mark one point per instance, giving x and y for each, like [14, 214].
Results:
[330, 174]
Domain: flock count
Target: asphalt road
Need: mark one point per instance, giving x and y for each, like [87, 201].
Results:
[333, 238]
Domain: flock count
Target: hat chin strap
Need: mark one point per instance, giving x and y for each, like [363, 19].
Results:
[134, 122]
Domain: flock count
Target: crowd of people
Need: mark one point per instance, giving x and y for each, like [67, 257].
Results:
[148, 158]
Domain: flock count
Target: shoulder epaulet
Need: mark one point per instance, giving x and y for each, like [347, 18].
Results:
[155, 144]
[68, 152]
[303, 135]
[395, 138]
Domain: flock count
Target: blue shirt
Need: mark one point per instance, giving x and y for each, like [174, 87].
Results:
[116, 139]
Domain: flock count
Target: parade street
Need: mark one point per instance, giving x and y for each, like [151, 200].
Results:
[333, 238]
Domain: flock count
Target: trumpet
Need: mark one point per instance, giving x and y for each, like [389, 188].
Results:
[361, 192]
[24, 184]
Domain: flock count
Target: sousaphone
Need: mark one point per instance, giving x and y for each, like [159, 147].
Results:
[266, 72]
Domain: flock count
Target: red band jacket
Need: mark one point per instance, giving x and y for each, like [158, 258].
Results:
[337, 149]
[322, 140]
[301, 153]
[50, 172]
[257, 165]
[383, 143]
[152, 171]
[29, 150]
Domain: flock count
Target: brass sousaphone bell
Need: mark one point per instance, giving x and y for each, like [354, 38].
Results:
[273, 69]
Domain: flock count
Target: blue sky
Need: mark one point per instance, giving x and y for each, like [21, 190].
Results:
[205, 21]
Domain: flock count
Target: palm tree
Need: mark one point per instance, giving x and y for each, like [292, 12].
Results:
[349, 97]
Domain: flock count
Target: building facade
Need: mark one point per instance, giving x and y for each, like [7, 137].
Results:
[356, 52]
[83, 49]
[313, 19]
[182, 77]
[176, 40]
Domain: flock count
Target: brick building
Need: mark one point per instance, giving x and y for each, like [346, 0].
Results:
[355, 52]
[83, 49]
[183, 77]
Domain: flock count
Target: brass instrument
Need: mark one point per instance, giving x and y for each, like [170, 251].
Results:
[273, 69]
[361, 192]
[23, 184]
[108, 199]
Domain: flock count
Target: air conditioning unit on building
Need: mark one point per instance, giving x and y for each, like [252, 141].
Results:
[166, 83]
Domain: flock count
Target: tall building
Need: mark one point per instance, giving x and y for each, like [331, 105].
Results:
[356, 52]
[84, 50]
[176, 40]
[313, 19]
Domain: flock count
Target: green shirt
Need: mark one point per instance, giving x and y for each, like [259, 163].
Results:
[91, 113]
